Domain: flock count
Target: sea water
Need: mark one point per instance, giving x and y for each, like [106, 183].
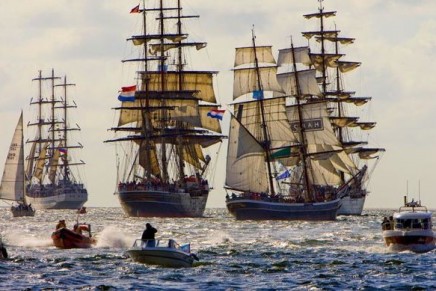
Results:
[234, 255]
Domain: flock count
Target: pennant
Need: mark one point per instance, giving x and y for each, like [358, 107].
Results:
[127, 94]
[215, 113]
[135, 9]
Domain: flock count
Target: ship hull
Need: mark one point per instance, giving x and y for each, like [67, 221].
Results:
[154, 203]
[352, 205]
[61, 201]
[246, 209]
[418, 241]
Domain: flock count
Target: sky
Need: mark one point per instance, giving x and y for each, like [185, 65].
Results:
[86, 40]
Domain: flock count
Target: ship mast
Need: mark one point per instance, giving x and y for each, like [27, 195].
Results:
[324, 73]
[66, 128]
[303, 150]
[266, 141]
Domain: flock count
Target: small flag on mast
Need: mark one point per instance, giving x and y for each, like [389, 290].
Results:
[135, 9]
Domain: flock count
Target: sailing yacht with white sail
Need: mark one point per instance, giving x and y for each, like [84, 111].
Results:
[13, 182]
[167, 121]
[53, 179]
[327, 58]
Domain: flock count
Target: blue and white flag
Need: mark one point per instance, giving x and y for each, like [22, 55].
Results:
[284, 175]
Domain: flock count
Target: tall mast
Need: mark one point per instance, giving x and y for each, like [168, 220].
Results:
[164, 112]
[301, 130]
[179, 145]
[65, 129]
[324, 73]
[266, 142]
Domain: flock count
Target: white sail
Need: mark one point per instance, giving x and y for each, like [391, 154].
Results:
[246, 168]
[12, 184]
[247, 55]
[246, 80]
[286, 56]
[321, 141]
[318, 129]
[276, 121]
[306, 80]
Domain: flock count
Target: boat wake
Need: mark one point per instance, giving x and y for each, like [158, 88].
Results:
[23, 240]
[113, 237]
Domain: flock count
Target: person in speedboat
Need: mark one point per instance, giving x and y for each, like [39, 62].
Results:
[148, 235]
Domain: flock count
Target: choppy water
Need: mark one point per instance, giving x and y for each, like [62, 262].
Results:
[346, 254]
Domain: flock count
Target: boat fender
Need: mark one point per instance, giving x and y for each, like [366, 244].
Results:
[194, 256]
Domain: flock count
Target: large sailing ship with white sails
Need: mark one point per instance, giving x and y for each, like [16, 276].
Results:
[52, 177]
[167, 121]
[299, 137]
[280, 141]
[346, 110]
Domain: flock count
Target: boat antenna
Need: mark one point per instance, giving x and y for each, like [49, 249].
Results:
[419, 191]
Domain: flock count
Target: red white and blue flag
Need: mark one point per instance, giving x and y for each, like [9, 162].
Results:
[63, 151]
[216, 113]
[127, 93]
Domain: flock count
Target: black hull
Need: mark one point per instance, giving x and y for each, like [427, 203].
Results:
[246, 209]
[143, 203]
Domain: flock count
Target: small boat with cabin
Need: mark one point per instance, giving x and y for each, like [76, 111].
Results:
[409, 229]
[167, 253]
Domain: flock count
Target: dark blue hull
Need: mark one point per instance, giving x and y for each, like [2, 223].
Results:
[143, 203]
[247, 209]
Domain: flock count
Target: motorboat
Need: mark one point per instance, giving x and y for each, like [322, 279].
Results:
[410, 229]
[79, 237]
[165, 253]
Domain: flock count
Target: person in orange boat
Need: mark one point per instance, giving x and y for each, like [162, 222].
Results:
[61, 224]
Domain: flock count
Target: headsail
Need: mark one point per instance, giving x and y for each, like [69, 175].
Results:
[12, 184]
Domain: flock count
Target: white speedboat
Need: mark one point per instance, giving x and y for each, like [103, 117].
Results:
[410, 229]
[165, 253]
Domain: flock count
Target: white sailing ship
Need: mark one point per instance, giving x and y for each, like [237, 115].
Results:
[328, 59]
[289, 129]
[54, 181]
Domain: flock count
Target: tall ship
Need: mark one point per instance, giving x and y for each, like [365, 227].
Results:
[283, 157]
[168, 121]
[345, 109]
[13, 183]
[53, 179]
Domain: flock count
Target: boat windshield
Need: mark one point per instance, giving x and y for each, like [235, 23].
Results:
[423, 223]
[156, 243]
